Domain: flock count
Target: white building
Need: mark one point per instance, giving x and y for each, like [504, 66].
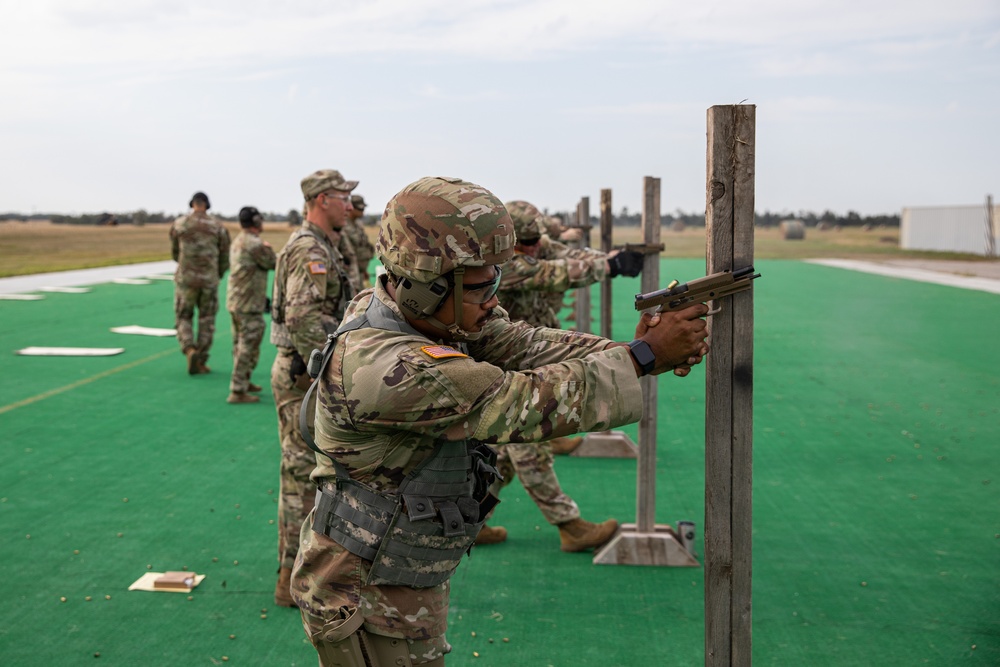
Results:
[950, 229]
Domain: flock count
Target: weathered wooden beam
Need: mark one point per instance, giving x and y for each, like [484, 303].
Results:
[650, 282]
[607, 230]
[582, 309]
[729, 219]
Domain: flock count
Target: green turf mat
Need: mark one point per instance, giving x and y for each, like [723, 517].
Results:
[876, 516]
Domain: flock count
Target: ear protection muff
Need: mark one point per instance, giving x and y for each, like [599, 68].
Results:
[200, 196]
[420, 300]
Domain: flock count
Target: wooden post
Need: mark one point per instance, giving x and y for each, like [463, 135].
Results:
[607, 222]
[650, 282]
[645, 542]
[606, 444]
[582, 310]
[729, 227]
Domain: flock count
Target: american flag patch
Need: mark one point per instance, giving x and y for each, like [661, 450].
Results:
[317, 268]
[441, 351]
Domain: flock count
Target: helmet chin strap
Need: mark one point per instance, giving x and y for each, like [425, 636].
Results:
[455, 330]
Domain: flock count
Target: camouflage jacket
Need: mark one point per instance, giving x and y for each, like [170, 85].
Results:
[250, 260]
[549, 248]
[310, 291]
[349, 260]
[363, 248]
[527, 283]
[200, 246]
[387, 396]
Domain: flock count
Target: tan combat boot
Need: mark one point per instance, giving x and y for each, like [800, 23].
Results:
[565, 445]
[202, 368]
[282, 590]
[491, 535]
[241, 397]
[192, 356]
[254, 388]
[580, 535]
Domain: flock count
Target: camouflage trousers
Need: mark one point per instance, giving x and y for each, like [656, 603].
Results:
[532, 462]
[206, 301]
[297, 493]
[248, 332]
[327, 577]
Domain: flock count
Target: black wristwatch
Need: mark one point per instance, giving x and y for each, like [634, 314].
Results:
[639, 349]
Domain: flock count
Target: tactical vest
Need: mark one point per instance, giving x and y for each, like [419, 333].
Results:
[415, 536]
[280, 335]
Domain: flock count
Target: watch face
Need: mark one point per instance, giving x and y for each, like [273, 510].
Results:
[643, 355]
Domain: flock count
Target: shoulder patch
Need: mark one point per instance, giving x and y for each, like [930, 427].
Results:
[441, 352]
[316, 268]
[527, 259]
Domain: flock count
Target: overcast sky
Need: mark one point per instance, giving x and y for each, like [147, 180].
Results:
[125, 104]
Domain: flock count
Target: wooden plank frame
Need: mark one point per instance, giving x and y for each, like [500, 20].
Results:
[645, 542]
[582, 308]
[606, 444]
[729, 229]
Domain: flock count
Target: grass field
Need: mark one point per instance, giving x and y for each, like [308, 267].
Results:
[40, 247]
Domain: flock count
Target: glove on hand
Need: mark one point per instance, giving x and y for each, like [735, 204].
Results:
[626, 263]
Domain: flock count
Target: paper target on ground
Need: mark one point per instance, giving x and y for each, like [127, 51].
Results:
[70, 351]
[137, 330]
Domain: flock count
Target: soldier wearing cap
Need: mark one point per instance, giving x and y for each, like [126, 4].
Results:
[355, 231]
[200, 246]
[310, 292]
[424, 376]
[246, 297]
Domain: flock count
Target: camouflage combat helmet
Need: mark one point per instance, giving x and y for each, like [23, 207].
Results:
[553, 226]
[430, 232]
[435, 225]
[527, 219]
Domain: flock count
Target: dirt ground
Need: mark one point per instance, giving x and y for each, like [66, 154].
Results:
[980, 269]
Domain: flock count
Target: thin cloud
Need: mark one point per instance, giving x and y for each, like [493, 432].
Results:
[184, 35]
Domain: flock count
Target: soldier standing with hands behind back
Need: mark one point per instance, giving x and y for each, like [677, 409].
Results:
[363, 248]
[246, 297]
[311, 290]
[200, 246]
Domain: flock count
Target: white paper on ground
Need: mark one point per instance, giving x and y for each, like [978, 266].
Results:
[145, 583]
[70, 351]
[143, 331]
[21, 297]
[65, 290]
[131, 281]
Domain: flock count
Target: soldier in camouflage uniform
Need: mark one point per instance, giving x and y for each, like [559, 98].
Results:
[539, 268]
[200, 246]
[246, 296]
[425, 371]
[311, 290]
[363, 248]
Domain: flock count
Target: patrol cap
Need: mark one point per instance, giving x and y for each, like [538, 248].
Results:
[324, 180]
[358, 202]
[202, 197]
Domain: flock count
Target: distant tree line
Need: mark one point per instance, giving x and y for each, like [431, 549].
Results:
[765, 219]
[143, 217]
